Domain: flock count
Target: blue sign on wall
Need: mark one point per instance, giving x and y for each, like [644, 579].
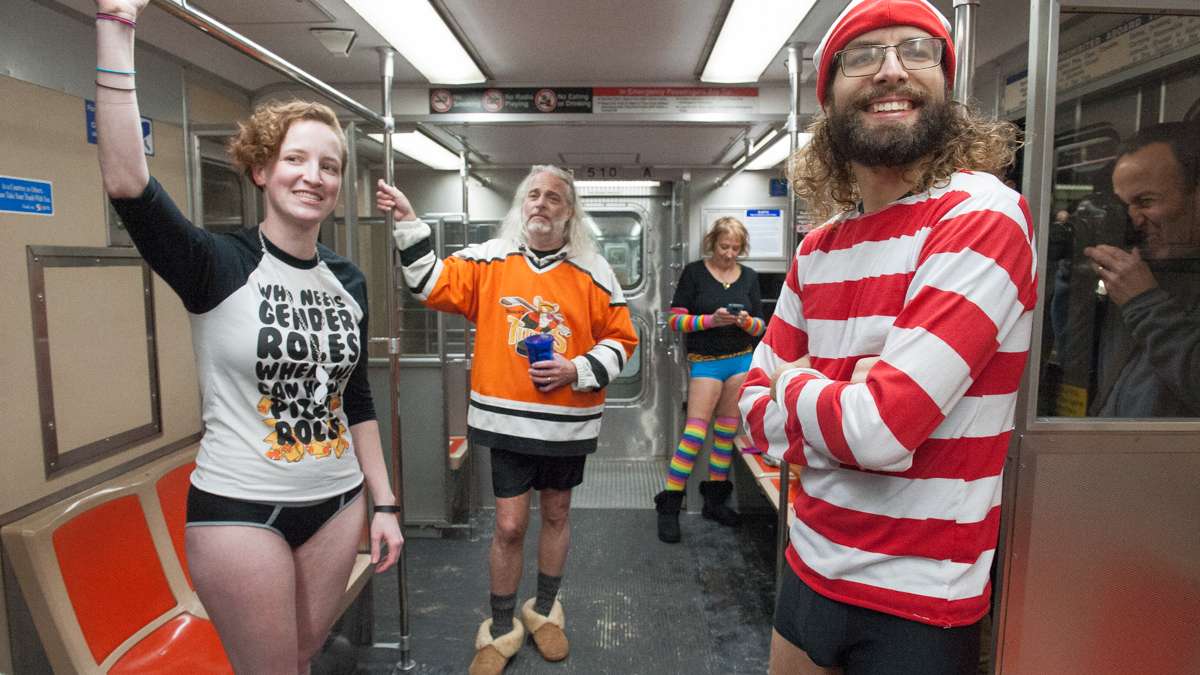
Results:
[22, 195]
[778, 187]
[89, 112]
[763, 213]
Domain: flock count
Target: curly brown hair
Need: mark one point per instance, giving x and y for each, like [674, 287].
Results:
[723, 226]
[973, 142]
[260, 136]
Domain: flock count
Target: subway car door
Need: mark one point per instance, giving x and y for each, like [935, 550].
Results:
[1101, 574]
[635, 234]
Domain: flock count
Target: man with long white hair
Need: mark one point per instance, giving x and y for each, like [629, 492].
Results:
[539, 280]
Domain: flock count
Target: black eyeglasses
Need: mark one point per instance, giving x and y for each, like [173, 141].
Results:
[915, 54]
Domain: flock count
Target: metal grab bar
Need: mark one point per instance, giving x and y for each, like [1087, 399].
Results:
[219, 31]
[964, 44]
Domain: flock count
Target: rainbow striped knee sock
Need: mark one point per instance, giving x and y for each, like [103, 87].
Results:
[684, 459]
[724, 429]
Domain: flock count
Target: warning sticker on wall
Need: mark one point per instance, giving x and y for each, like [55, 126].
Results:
[675, 99]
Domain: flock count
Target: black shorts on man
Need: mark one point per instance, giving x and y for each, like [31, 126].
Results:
[860, 640]
[513, 473]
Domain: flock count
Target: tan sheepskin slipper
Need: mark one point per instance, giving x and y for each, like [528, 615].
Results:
[492, 654]
[547, 631]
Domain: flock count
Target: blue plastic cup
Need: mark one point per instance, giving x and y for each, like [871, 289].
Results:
[540, 347]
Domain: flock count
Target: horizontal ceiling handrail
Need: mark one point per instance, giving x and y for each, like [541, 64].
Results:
[219, 31]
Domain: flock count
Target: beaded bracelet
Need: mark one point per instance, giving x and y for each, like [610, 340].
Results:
[119, 19]
[115, 72]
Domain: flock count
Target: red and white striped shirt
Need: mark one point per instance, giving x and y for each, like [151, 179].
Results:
[899, 501]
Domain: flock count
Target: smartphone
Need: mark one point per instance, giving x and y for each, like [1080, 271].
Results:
[735, 308]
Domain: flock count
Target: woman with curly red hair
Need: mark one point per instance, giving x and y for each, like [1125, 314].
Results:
[279, 328]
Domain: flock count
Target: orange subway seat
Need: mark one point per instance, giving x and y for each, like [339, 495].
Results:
[110, 567]
[183, 644]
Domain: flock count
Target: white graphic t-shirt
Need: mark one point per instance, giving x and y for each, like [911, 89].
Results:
[280, 354]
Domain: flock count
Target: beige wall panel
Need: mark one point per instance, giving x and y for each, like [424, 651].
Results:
[98, 364]
[212, 105]
[5, 651]
[1111, 572]
[42, 136]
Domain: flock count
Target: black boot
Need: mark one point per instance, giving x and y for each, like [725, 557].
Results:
[667, 504]
[715, 492]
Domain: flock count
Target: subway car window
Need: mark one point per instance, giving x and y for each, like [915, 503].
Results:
[223, 196]
[619, 237]
[629, 383]
[1121, 337]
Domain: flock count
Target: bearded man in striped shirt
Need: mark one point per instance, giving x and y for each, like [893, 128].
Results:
[890, 369]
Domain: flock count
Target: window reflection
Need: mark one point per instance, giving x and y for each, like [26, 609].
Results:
[1122, 282]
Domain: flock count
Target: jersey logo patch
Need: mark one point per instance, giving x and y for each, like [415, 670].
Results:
[530, 318]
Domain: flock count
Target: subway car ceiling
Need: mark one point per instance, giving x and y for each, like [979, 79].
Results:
[531, 44]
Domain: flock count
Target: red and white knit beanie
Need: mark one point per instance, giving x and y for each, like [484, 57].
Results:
[862, 16]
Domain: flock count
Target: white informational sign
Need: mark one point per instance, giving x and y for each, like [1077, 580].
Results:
[1140, 39]
[675, 100]
[764, 225]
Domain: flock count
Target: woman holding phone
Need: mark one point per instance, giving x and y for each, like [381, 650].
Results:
[718, 305]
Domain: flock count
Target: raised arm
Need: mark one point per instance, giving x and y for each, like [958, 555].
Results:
[118, 122]
[445, 285]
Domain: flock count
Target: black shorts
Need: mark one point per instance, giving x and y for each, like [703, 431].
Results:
[296, 524]
[513, 473]
[860, 640]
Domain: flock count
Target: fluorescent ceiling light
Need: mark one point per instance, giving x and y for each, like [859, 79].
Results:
[777, 152]
[414, 28]
[423, 149]
[753, 33]
[616, 183]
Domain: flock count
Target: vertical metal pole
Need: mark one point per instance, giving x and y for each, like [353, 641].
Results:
[795, 56]
[964, 42]
[1036, 179]
[350, 204]
[387, 60]
[190, 177]
[464, 174]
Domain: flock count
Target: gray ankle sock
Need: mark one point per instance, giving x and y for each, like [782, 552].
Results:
[502, 614]
[547, 591]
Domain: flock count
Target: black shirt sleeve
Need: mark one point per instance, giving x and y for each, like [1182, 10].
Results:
[202, 268]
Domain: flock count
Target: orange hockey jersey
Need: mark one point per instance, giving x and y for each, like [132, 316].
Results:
[510, 294]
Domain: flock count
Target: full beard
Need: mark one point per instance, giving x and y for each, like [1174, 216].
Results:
[890, 144]
[542, 228]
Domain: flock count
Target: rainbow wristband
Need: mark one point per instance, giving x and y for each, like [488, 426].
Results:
[101, 16]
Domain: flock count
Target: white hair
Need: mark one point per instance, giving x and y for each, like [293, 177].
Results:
[579, 227]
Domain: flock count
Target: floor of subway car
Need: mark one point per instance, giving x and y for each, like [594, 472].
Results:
[633, 604]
